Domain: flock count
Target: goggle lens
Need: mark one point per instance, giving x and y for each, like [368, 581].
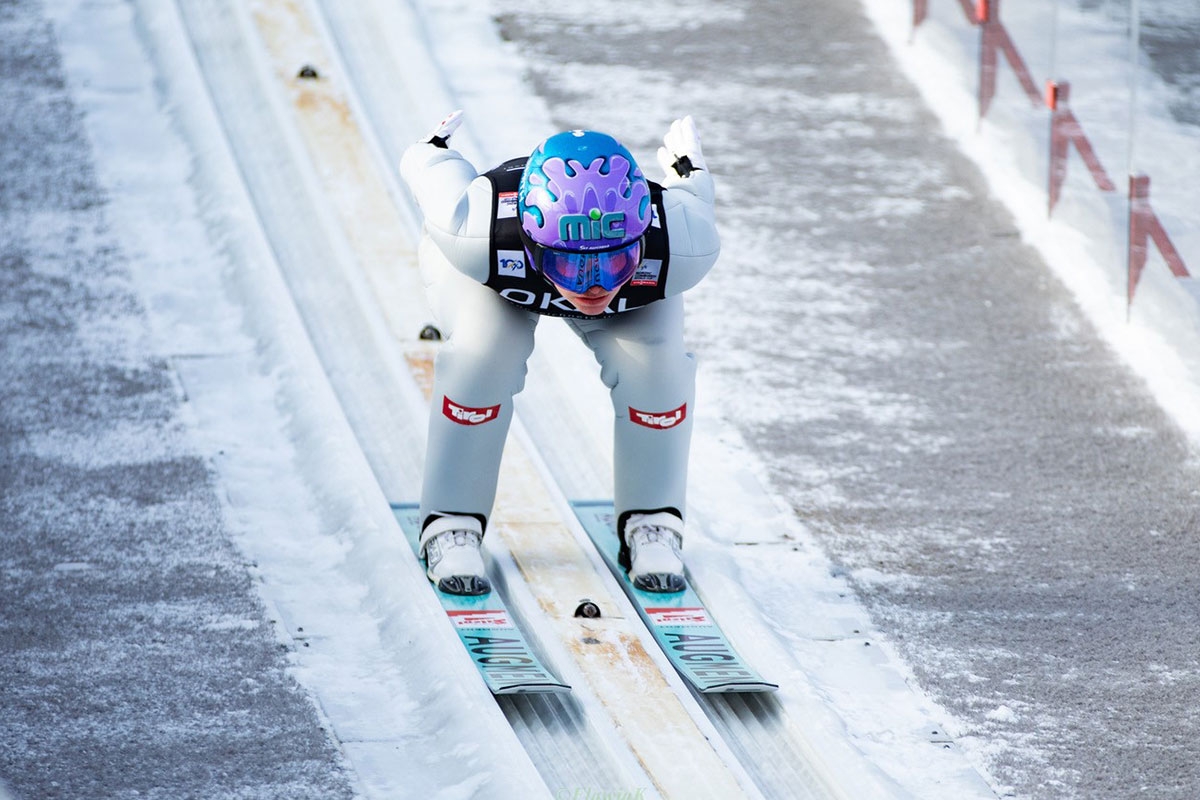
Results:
[578, 272]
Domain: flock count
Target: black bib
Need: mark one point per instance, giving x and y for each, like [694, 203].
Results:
[512, 276]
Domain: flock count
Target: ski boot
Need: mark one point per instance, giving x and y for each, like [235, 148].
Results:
[453, 561]
[655, 542]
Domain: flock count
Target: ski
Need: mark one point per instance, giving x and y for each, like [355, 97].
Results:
[680, 622]
[495, 642]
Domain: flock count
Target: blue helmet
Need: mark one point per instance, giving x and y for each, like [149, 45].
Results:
[584, 206]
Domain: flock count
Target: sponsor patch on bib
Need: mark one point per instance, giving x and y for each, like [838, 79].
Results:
[510, 263]
[507, 207]
[647, 273]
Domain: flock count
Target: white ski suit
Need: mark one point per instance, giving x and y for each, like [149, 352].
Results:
[481, 365]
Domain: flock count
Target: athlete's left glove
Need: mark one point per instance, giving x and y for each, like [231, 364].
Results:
[681, 153]
[445, 129]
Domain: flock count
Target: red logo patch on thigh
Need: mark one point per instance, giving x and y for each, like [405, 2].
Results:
[659, 420]
[465, 415]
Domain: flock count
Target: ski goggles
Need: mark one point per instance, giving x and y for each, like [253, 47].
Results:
[579, 271]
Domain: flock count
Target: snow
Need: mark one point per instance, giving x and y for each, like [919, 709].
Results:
[779, 627]
[304, 505]
[1002, 714]
[1125, 114]
[308, 510]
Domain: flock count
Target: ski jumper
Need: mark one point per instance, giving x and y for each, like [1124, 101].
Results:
[487, 300]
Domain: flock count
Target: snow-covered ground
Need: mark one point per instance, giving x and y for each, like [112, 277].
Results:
[1124, 105]
[289, 352]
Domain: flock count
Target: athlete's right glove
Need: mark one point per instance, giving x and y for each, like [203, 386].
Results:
[445, 129]
[681, 154]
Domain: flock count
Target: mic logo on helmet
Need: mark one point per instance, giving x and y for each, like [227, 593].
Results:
[592, 226]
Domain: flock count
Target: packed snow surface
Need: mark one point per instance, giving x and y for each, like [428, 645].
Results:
[943, 491]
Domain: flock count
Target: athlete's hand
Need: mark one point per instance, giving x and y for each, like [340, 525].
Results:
[681, 153]
[445, 129]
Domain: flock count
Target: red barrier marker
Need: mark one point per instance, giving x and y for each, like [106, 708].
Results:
[1052, 95]
[1065, 131]
[994, 36]
[921, 11]
[1143, 223]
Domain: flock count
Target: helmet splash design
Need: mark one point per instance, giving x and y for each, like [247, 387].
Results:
[582, 191]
